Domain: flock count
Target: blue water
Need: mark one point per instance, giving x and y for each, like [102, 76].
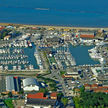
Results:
[31, 58]
[81, 55]
[59, 12]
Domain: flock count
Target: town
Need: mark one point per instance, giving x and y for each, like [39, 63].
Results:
[53, 67]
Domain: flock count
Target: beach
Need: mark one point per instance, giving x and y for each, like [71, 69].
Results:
[56, 27]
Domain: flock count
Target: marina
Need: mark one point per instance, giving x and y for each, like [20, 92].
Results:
[53, 54]
[18, 55]
[67, 56]
[81, 55]
[63, 57]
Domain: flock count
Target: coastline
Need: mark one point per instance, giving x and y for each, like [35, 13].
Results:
[53, 26]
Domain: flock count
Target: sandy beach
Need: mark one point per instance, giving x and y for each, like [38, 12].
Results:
[57, 27]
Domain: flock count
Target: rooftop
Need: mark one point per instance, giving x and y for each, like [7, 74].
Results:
[87, 85]
[54, 94]
[97, 88]
[10, 83]
[44, 102]
[94, 85]
[2, 84]
[37, 96]
[86, 36]
[30, 81]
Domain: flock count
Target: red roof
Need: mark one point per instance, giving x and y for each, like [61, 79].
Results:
[34, 28]
[105, 87]
[98, 90]
[37, 96]
[94, 85]
[15, 77]
[54, 94]
[77, 90]
[76, 35]
[87, 85]
[1, 28]
[63, 76]
[101, 87]
[86, 36]
[106, 91]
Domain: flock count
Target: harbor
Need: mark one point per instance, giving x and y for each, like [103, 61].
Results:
[53, 54]
[18, 55]
[67, 56]
[63, 57]
[81, 55]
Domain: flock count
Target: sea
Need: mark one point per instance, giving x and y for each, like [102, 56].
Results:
[78, 13]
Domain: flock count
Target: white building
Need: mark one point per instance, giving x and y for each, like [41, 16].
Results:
[30, 84]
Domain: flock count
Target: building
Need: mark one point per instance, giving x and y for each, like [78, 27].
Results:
[52, 40]
[71, 73]
[3, 84]
[1, 28]
[96, 88]
[76, 92]
[87, 34]
[7, 37]
[53, 95]
[13, 84]
[9, 27]
[38, 100]
[71, 76]
[39, 95]
[30, 84]
[87, 86]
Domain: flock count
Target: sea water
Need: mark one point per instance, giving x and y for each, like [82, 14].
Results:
[85, 13]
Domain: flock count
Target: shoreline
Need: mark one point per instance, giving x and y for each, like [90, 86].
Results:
[53, 26]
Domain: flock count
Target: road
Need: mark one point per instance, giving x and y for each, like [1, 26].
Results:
[56, 74]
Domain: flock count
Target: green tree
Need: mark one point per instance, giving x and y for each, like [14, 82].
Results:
[59, 95]
[9, 103]
[82, 89]
[4, 34]
[10, 94]
[21, 92]
[64, 101]
[77, 102]
[43, 90]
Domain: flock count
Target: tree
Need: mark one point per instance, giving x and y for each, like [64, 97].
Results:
[88, 99]
[64, 101]
[43, 90]
[82, 89]
[77, 102]
[0, 35]
[4, 34]
[59, 95]
[62, 73]
[21, 92]
[10, 94]
[9, 103]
